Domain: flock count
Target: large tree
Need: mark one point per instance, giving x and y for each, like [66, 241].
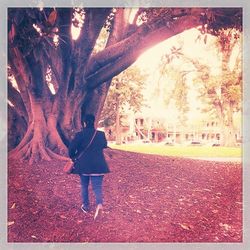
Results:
[223, 92]
[42, 53]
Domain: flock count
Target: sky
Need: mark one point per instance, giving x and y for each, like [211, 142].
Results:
[150, 60]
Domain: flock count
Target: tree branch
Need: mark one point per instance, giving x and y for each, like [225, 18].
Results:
[138, 46]
[63, 61]
[83, 46]
[118, 49]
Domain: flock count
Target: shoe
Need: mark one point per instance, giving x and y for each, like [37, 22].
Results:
[98, 210]
[84, 209]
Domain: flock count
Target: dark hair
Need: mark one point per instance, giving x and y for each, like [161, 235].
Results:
[89, 120]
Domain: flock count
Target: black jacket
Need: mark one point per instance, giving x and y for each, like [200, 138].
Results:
[92, 161]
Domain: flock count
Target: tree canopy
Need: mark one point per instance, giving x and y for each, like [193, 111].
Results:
[57, 79]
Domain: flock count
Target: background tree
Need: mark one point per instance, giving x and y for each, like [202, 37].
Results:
[223, 92]
[125, 95]
[174, 70]
[220, 93]
[40, 44]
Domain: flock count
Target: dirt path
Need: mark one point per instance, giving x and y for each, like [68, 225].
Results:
[147, 199]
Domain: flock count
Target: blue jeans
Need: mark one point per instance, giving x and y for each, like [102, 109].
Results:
[96, 182]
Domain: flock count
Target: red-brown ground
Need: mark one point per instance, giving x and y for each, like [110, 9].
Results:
[148, 198]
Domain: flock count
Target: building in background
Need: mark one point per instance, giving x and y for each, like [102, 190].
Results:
[143, 128]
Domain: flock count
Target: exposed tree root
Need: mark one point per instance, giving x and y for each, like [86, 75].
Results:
[56, 156]
[34, 152]
[57, 144]
[55, 141]
[26, 139]
[33, 147]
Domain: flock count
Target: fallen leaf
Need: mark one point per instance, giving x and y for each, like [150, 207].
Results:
[11, 223]
[63, 217]
[216, 238]
[204, 218]
[13, 206]
[186, 226]
[33, 236]
[225, 226]
[206, 189]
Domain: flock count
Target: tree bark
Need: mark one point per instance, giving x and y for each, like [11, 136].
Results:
[17, 127]
[229, 129]
[33, 146]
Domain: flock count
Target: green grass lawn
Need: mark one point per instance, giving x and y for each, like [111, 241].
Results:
[182, 151]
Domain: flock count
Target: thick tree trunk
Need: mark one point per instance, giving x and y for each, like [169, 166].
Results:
[71, 116]
[220, 115]
[54, 139]
[34, 145]
[229, 137]
[227, 132]
[95, 100]
[229, 129]
[67, 120]
[17, 126]
[222, 133]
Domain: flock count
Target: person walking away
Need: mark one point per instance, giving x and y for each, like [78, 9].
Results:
[92, 163]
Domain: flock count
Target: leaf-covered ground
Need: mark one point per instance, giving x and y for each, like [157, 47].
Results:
[148, 198]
